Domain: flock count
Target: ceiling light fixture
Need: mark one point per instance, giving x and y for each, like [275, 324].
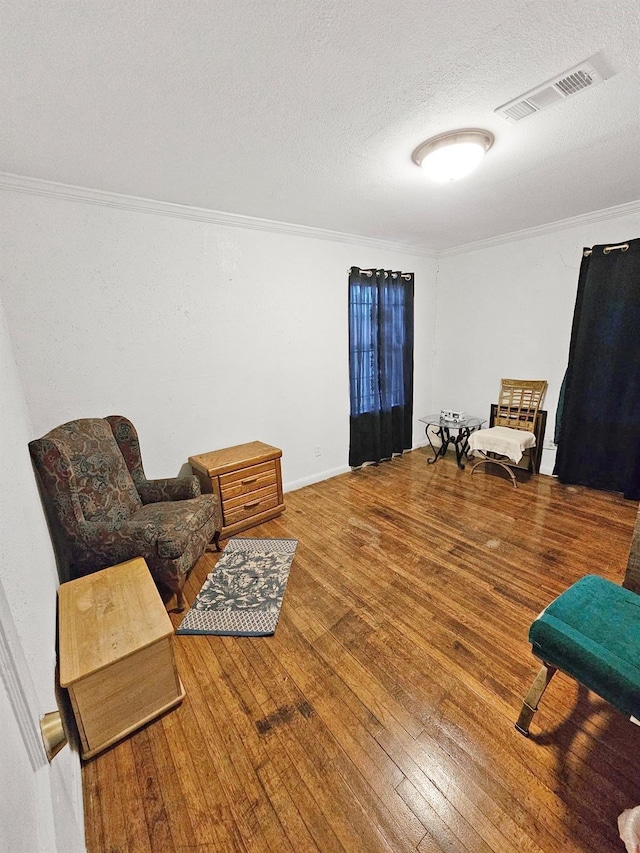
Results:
[452, 155]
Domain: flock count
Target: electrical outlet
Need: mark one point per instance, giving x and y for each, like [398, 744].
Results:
[318, 450]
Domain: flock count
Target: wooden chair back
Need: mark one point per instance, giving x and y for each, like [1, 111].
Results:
[518, 403]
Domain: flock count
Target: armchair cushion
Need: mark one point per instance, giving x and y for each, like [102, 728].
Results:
[162, 529]
[172, 524]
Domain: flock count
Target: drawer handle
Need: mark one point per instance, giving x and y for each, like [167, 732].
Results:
[251, 504]
[248, 480]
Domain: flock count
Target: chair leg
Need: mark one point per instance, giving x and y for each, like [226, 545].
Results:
[179, 593]
[214, 545]
[501, 464]
[533, 697]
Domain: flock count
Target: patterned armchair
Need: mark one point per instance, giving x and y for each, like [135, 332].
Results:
[106, 511]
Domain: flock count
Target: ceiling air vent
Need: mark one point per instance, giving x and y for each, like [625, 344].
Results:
[583, 76]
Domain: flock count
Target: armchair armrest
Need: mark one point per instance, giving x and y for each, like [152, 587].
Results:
[169, 489]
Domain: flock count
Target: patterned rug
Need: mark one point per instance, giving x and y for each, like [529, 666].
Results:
[243, 594]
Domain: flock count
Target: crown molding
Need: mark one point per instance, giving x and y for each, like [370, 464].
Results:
[628, 209]
[53, 189]
[69, 192]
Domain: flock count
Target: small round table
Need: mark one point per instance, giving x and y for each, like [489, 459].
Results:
[460, 440]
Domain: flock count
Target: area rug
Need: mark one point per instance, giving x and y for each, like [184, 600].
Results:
[243, 594]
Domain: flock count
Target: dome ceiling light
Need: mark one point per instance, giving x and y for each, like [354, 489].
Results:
[452, 155]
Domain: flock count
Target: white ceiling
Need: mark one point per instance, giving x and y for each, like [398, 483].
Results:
[308, 112]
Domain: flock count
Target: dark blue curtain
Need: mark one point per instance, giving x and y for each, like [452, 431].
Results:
[380, 364]
[598, 418]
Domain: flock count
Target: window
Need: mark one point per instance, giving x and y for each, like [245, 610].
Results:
[381, 355]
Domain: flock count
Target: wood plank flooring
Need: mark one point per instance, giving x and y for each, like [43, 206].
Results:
[379, 717]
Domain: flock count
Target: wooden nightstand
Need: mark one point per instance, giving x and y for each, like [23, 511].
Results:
[247, 480]
[115, 653]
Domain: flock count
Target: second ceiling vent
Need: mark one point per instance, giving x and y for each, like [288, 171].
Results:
[583, 76]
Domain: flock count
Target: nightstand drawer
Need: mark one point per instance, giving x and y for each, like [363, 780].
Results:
[254, 506]
[246, 480]
[249, 499]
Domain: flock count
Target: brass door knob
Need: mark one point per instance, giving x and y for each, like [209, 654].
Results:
[53, 734]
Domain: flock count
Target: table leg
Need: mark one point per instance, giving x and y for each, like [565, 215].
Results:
[469, 430]
[461, 446]
[443, 434]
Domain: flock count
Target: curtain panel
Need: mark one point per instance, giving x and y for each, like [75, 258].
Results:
[598, 418]
[380, 364]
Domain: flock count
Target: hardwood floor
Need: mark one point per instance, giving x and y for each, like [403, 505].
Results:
[379, 717]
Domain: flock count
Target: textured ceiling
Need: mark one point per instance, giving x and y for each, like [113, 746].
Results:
[307, 112]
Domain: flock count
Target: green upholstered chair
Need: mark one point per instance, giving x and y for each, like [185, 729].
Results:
[592, 633]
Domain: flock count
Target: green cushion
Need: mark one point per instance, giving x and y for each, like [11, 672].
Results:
[592, 632]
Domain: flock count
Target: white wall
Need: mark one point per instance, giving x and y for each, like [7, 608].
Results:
[27, 564]
[207, 335]
[204, 335]
[507, 310]
[40, 804]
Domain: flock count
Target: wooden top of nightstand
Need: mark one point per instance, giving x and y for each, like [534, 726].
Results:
[107, 616]
[229, 458]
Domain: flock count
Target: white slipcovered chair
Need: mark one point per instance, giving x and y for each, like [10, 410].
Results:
[513, 430]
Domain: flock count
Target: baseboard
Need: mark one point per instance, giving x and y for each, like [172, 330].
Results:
[332, 472]
[314, 478]
[548, 463]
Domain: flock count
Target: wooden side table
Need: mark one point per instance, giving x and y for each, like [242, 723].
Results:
[115, 653]
[247, 480]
